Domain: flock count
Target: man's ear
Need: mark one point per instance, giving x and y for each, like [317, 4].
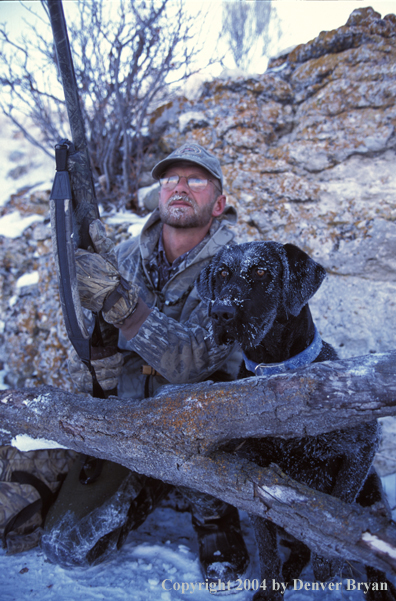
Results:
[204, 283]
[219, 206]
[304, 278]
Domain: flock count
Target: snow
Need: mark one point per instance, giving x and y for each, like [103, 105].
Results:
[152, 565]
[375, 543]
[13, 225]
[28, 279]
[24, 442]
[164, 548]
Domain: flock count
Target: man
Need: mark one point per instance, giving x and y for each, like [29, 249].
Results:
[179, 239]
[147, 291]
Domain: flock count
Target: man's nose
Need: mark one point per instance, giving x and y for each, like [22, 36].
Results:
[182, 184]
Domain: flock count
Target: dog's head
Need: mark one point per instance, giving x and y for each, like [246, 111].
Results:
[249, 285]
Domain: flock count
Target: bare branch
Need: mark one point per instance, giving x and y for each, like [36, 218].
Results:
[27, 135]
[124, 55]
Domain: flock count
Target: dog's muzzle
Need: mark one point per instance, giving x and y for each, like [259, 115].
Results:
[222, 317]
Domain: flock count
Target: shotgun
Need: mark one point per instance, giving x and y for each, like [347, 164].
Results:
[73, 207]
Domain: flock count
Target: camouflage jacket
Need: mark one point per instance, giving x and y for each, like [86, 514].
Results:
[174, 340]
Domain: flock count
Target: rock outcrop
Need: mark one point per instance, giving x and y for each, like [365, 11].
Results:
[309, 154]
[308, 151]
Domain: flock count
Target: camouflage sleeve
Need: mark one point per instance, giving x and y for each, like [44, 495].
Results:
[181, 352]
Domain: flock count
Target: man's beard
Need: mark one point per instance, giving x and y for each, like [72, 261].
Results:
[183, 217]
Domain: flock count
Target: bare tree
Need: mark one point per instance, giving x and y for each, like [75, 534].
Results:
[126, 55]
[247, 29]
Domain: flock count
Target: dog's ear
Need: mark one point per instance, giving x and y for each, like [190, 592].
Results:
[204, 283]
[304, 278]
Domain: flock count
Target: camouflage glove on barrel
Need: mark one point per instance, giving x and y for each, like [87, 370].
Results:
[107, 371]
[100, 285]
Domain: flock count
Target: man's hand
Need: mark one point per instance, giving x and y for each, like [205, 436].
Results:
[100, 285]
[107, 370]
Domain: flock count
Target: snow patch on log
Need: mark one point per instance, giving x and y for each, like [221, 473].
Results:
[379, 545]
[23, 442]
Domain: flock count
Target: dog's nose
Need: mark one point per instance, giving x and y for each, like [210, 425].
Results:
[224, 313]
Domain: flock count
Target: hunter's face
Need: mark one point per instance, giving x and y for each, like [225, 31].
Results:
[182, 207]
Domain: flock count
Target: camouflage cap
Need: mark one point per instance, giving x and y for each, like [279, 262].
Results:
[193, 153]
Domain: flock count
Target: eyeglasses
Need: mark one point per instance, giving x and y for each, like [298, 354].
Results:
[196, 184]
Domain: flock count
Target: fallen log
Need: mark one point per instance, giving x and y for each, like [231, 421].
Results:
[196, 418]
[174, 437]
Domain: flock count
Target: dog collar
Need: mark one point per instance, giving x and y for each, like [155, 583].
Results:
[304, 358]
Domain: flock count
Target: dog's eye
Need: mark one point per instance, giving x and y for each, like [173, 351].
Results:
[260, 272]
[223, 273]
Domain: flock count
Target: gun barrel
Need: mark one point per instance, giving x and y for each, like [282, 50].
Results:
[66, 68]
[85, 206]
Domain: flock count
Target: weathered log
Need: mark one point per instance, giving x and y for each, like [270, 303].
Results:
[195, 418]
[174, 435]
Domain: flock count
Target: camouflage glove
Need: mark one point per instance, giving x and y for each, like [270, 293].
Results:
[107, 370]
[100, 285]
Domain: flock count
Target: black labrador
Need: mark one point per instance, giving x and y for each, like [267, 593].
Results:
[258, 294]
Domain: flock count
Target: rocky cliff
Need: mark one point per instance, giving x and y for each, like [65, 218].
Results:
[309, 154]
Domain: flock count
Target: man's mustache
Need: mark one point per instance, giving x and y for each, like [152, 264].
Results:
[178, 197]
